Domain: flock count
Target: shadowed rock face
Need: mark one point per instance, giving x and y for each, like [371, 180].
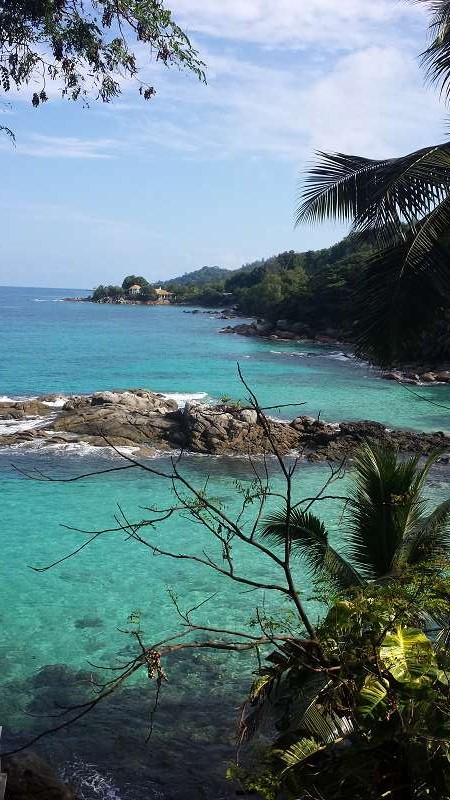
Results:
[30, 778]
[148, 421]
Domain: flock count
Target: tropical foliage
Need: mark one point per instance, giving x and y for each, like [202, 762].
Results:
[85, 47]
[364, 711]
[387, 527]
[402, 205]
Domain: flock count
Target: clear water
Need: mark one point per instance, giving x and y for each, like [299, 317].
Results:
[54, 624]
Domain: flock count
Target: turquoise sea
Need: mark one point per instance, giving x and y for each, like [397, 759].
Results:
[54, 625]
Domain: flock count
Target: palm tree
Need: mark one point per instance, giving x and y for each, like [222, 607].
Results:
[387, 526]
[403, 204]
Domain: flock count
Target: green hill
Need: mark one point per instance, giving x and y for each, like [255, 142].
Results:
[200, 277]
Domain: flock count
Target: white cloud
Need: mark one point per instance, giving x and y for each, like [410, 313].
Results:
[72, 147]
[369, 101]
[341, 24]
[345, 93]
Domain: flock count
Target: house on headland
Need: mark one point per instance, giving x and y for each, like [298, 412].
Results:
[134, 290]
[163, 295]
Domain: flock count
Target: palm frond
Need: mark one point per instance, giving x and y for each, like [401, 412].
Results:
[380, 196]
[436, 57]
[308, 537]
[299, 752]
[428, 247]
[394, 305]
[428, 539]
[385, 503]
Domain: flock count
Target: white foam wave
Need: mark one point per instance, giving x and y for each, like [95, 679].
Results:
[79, 448]
[9, 426]
[182, 398]
[47, 300]
[338, 356]
[4, 398]
[289, 353]
[92, 783]
[58, 402]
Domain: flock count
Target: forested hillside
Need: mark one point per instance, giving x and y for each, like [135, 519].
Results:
[314, 287]
[324, 290]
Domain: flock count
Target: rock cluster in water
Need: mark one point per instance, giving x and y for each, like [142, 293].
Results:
[299, 332]
[152, 422]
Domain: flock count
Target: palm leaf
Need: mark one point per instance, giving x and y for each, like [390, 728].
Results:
[393, 306]
[308, 538]
[299, 752]
[428, 247]
[431, 537]
[436, 57]
[385, 503]
[380, 196]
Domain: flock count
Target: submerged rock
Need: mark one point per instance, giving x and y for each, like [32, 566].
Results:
[31, 778]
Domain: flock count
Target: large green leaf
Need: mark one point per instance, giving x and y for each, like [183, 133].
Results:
[299, 752]
[408, 656]
[385, 504]
[372, 694]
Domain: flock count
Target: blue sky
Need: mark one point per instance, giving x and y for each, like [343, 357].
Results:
[209, 174]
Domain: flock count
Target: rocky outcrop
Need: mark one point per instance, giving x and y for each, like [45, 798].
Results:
[285, 331]
[418, 375]
[24, 409]
[135, 417]
[30, 778]
[226, 430]
[147, 421]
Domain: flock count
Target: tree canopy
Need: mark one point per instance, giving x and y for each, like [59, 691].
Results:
[133, 280]
[86, 48]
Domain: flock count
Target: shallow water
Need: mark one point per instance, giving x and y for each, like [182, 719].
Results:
[51, 346]
[55, 624]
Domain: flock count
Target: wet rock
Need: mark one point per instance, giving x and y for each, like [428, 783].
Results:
[428, 377]
[443, 376]
[31, 778]
[392, 376]
[24, 408]
[148, 421]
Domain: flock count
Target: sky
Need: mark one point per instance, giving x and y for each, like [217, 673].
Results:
[210, 174]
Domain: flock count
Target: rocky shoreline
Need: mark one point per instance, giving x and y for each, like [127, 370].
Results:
[150, 423]
[416, 374]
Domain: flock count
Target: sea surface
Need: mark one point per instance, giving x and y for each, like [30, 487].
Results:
[58, 627]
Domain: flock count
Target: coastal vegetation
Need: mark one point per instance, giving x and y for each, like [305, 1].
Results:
[319, 292]
[145, 292]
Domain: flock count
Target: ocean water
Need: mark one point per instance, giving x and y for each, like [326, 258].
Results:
[57, 627]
